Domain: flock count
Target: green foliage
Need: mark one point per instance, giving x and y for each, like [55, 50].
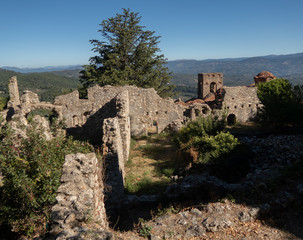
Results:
[31, 169]
[47, 113]
[3, 102]
[214, 148]
[298, 91]
[218, 152]
[152, 151]
[47, 85]
[280, 103]
[127, 54]
[143, 185]
[197, 129]
[168, 171]
[171, 209]
[144, 230]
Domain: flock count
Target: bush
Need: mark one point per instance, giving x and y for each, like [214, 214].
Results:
[31, 170]
[198, 128]
[3, 103]
[281, 106]
[213, 150]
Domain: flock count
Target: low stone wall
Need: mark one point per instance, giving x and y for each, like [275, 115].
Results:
[114, 162]
[80, 198]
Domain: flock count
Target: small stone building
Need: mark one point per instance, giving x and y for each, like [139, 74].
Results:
[241, 102]
[209, 83]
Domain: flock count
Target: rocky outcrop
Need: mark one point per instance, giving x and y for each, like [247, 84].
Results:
[80, 198]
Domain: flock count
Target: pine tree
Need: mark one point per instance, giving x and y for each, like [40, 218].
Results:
[127, 54]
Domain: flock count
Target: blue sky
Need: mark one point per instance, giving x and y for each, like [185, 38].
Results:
[37, 33]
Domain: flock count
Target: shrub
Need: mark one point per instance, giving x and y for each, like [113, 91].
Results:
[3, 102]
[31, 170]
[281, 106]
[214, 150]
[196, 129]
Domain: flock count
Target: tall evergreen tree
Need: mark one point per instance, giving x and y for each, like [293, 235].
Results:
[127, 54]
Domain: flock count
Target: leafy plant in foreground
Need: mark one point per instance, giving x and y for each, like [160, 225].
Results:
[31, 170]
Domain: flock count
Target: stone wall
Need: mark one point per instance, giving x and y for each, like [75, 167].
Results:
[243, 102]
[209, 82]
[80, 198]
[14, 99]
[114, 162]
[147, 110]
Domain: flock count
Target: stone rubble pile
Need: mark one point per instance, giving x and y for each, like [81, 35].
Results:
[271, 153]
[197, 222]
[275, 151]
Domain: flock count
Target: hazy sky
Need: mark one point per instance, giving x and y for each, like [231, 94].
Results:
[36, 33]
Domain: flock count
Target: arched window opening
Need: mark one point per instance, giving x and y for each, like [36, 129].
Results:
[213, 87]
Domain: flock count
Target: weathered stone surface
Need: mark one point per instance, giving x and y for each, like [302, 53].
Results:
[124, 122]
[146, 108]
[43, 125]
[14, 99]
[19, 108]
[209, 83]
[29, 97]
[114, 161]
[80, 196]
[243, 102]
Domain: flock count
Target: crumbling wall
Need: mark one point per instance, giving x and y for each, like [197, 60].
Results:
[19, 107]
[114, 162]
[122, 106]
[209, 83]
[14, 99]
[243, 102]
[80, 198]
[147, 110]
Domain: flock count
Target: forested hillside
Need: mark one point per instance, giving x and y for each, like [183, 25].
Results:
[46, 85]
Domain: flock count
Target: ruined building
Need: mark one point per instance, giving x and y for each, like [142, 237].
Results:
[209, 83]
[109, 117]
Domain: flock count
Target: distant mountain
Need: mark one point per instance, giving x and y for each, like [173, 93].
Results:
[43, 69]
[237, 72]
[279, 65]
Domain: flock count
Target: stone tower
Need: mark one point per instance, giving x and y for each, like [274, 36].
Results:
[209, 82]
[14, 99]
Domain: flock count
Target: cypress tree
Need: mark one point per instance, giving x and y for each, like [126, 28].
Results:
[127, 55]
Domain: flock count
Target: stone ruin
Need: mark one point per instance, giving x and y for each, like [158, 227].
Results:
[264, 76]
[108, 118]
[209, 83]
[240, 103]
[80, 197]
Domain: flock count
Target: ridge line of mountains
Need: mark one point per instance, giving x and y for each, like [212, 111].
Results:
[278, 64]
[237, 72]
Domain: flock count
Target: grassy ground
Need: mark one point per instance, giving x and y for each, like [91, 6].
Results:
[153, 160]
